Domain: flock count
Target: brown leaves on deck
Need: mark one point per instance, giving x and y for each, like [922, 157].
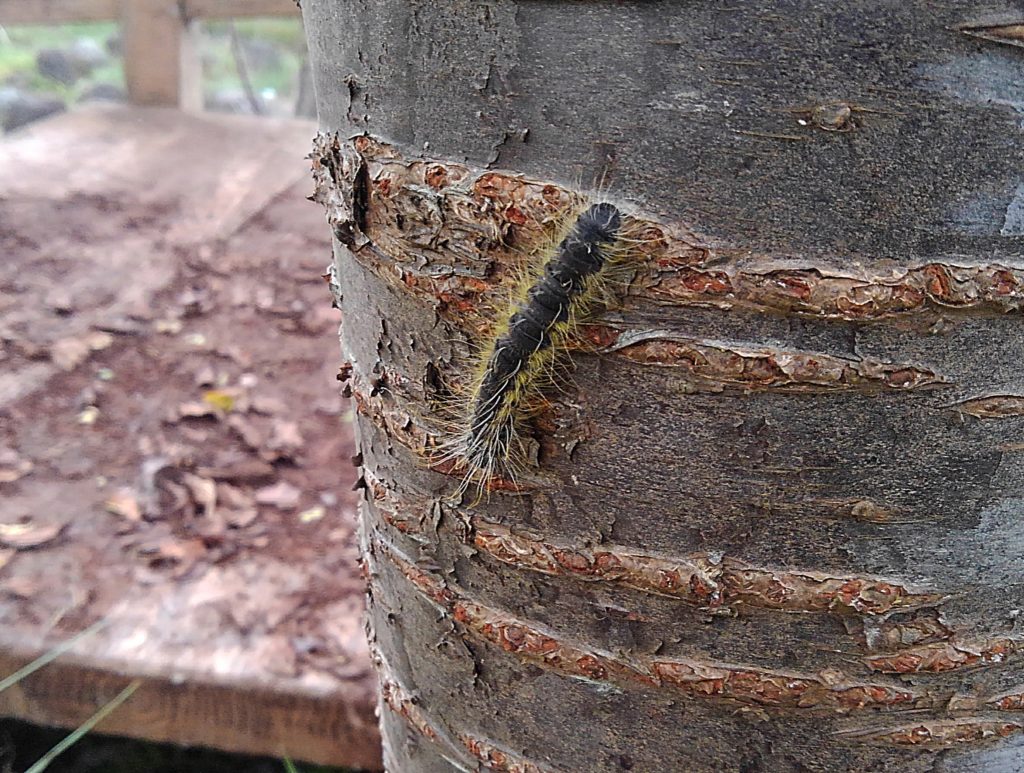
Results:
[28, 534]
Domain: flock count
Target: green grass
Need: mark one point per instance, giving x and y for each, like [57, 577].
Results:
[219, 65]
[49, 657]
[82, 730]
[53, 36]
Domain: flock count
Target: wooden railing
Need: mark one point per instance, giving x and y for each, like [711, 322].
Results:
[161, 55]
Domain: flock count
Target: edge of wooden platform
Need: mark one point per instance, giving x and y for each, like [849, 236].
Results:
[243, 716]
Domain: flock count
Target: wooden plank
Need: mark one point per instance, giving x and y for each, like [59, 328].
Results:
[244, 717]
[56, 11]
[161, 61]
[258, 645]
[230, 9]
[14, 12]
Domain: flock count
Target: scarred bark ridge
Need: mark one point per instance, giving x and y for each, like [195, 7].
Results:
[449, 233]
[706, 680]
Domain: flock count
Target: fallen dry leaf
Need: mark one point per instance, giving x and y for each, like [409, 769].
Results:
[249, 432]
[168, 326]
[993, 406]
[89, 415]
[98, 340]
[282, 495]
[22, 536]
[13, 466]
[154, 472]
[206, 377]
[182, 555]
[244, 471]
[221, 399]
[175, 499]
[194, 411]
[268, 405]
[162, 491]
[285, 437]
[69, 353]
[20, 587]
[232, 496]
[124, 504]
[239, 519]
[204, 494]
[203, 490]
[312, 514]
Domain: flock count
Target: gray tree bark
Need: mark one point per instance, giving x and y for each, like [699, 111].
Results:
[776, 520]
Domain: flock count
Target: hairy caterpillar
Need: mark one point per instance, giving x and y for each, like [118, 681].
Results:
[526, 343]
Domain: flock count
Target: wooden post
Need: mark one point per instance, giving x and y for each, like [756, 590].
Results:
[161, 59]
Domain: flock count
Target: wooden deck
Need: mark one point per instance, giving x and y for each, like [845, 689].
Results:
[173, 454]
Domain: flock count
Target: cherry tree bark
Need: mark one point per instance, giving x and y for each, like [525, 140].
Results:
[775, 520]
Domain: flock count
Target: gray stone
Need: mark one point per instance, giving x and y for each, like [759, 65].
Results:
[56, 65]
[18, 108]
[86, 54]
[228, 100]
[114, 44]
[106, 92]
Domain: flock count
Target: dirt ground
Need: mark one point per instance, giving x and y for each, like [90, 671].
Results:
[182, 429]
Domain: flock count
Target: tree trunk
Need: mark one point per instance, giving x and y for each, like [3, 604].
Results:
[775, 521]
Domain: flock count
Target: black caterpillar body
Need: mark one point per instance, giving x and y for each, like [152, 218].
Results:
[541, 321]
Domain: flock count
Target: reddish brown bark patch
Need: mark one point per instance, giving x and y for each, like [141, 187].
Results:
[718, 365]
[819, 293]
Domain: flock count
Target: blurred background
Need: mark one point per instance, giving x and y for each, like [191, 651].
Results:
[249, 66]
[178, 560]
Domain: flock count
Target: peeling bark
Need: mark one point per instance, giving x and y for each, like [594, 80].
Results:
[697, 679]
[936, 657]
[706, 580]
[717, 365]
[942, 735]
[772, 515]
[927, 288]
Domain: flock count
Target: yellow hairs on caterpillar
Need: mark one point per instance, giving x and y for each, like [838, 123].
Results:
[526, 345]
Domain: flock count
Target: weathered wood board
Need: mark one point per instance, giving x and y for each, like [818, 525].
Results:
[169, 444]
